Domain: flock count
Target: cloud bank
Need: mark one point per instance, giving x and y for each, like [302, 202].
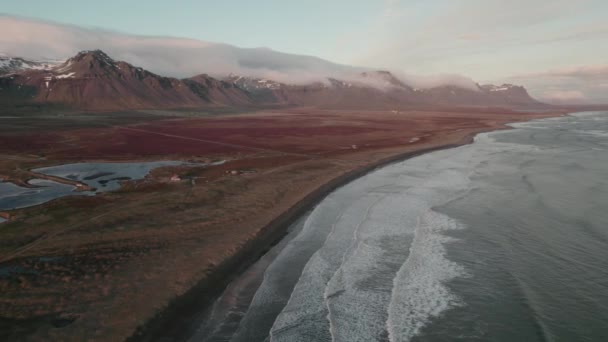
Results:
[574, 84]
[181, 57]
[492, 40]
[177, 57]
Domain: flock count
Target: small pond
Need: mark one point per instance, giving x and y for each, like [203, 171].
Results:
[101, 176]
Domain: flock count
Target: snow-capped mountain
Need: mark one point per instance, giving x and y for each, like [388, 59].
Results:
[9, 65]
[253, 84]
[380, 89]
[92, 80]
[504, 87]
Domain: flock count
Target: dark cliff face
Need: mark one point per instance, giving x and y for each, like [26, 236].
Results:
[92, 80]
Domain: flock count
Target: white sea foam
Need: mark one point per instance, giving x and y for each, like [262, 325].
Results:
[348, 288]
[358, 292]
[419, 292]
[271, 291]
[304, 316]
[596, 133]
[590, 114]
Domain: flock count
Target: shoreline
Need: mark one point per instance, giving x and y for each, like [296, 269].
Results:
[175, 322]
[163, 282]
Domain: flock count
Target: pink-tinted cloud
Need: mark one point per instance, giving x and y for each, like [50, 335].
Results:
[170, 56]
[587, 72]
[565, 96]
[180, 57]
[577, 83]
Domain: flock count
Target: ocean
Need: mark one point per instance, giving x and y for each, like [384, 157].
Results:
[505, 239]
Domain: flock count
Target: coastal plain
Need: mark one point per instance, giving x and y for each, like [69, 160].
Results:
[103, 267]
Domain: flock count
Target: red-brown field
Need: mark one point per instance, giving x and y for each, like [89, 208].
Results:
[99, 267]
[297, 133]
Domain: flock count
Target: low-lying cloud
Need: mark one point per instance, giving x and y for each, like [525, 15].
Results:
[431, 81]
[181, 57]
[586, 72]
[169, 56]
[564, 96]
[574, 84]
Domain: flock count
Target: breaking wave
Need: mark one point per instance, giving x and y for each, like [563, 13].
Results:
[381, 273]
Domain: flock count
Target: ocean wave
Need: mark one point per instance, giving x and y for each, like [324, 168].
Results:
[351, 285]
[304, 316]
[419, 291]
[381, 271]
[358, 293]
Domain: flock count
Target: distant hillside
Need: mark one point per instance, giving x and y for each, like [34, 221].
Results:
[92, 80]
[380, 90]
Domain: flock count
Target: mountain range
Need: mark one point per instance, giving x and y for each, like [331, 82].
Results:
[92, 80]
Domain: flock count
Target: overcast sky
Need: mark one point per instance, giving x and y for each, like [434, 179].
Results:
[557, 48]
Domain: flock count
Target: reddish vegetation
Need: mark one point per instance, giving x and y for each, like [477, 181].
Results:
[27, 142]
[290, 132]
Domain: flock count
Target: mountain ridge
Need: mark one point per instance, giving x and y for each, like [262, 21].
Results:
[92, 80]
[9, 65]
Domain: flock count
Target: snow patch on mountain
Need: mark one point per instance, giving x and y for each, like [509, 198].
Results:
[11, 65]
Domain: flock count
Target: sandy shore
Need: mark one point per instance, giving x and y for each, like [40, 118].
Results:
[143, 262]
